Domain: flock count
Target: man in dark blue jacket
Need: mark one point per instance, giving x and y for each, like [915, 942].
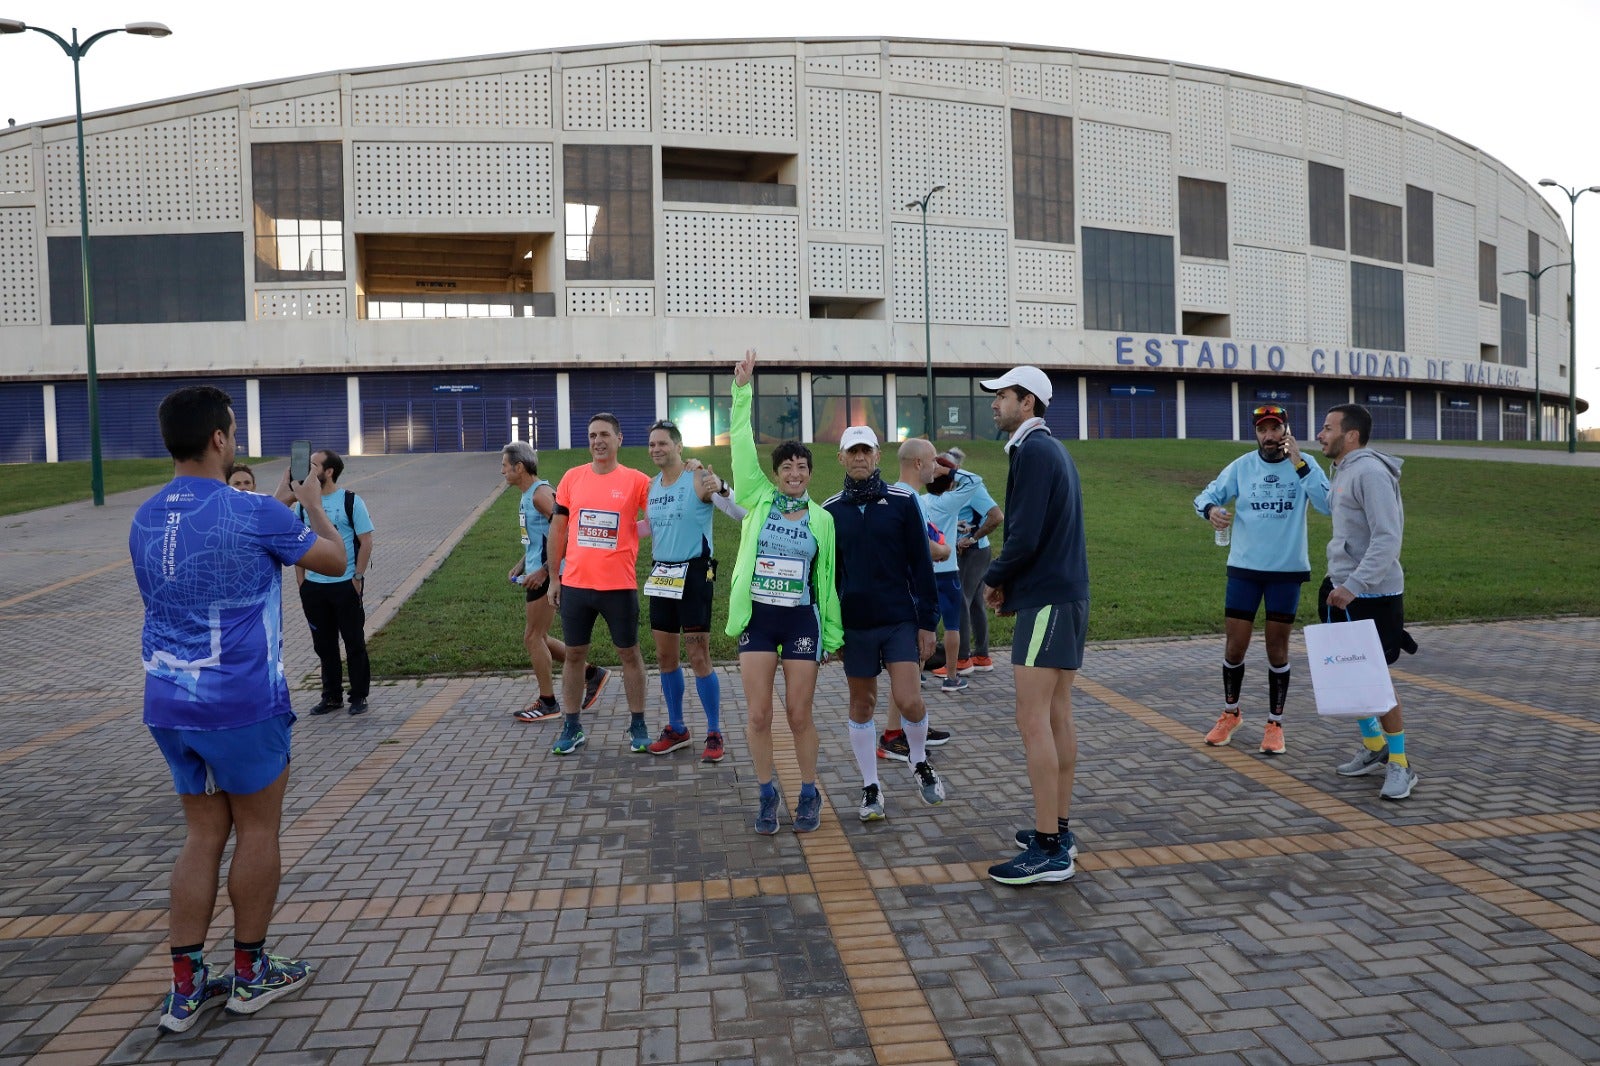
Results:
[887, 596]
[1042, 576]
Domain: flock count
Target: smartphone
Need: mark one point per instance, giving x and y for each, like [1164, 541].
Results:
[299, 461]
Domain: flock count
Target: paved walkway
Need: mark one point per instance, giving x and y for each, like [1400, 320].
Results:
[469, 898]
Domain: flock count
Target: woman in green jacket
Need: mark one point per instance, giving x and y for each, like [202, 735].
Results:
[783, 604]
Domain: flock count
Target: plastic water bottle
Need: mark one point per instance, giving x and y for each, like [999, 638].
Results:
[1224, 537]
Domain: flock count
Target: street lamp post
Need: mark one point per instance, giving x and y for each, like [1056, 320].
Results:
[1572, 315]
[1538, 397]
[927, 322]
[76, 51]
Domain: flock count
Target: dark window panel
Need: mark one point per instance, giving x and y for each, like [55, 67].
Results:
[1375, 229]
[1326, 193]
[1128, 282]
[298, 193]
[1377, 308]
[1042, 177]
[618, 179]
[160, 277]
[1533, 268]
[1513, 331]
[1419, 226]
[1488, 274]
[1203, 218]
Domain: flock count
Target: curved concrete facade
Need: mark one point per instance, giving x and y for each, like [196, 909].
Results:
[444, 255]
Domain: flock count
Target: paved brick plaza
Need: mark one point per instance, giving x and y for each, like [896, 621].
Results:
[469, 898]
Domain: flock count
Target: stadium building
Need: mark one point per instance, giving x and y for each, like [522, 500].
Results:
[450, 255]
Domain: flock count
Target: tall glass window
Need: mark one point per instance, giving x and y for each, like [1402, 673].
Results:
[777, 413]
[840, 400]
[1419, 226]
[609, 212]
[701, 405]
[1326, 193]
[1488, 273]
[1513, 331]
[1128, 281]
[1041, 165]
[1377, 308]
[1203, 218]
[298, 192]
[1375, 229]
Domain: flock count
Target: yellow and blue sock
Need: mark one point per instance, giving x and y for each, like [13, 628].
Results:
[1371, 734]
[1397, 748]
[710, 690]
[672, 689]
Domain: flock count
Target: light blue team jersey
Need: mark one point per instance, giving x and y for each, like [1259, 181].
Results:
[208, 560]
[782, 539]
[976, 502]
[680, 522]
[944, 511]
[333, 503]
[1269, 512]
[535, 529]
[924, 503]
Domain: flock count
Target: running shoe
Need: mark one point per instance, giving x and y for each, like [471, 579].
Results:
[570, 740]
[937, 738]
[767, 816]
[638, 737]
[327, 706]
[1398, 782]
[538, 710]
[808, 812]
[180, 1010]
[1366, 761]
[714, 749]
[871, 804]
[1032, 866]
[1272, 739]
[274, 978]
[593, 684]
[964, 667]
[669, 740]
[929, 787]
[1227, 724]
[1024, 839]
[958, 684]
[895, 747]
[982, 664]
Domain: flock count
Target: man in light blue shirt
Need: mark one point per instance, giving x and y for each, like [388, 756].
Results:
[1272, 488]
[334, 606]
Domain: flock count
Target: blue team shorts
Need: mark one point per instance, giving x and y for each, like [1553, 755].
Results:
[950, 604]
[239, 761]
[793, 632]
[1247, 591]
[1052, 637]
[868, 651]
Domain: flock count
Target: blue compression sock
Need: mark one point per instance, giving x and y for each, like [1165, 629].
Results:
[710, 690]
[672, 689]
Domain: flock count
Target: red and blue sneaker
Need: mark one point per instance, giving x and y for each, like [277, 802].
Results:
[274, 978]
[190, 998]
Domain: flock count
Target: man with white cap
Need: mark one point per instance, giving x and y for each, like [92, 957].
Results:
[888, 602]
[1042, 576]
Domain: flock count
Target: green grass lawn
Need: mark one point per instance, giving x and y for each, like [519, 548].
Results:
[1483, 540]
[29, 486]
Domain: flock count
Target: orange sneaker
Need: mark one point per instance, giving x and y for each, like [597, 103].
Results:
[982, 664]
[964, 667]
[1272, 739]
[1223, 731]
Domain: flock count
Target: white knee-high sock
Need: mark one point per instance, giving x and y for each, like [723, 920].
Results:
[917, 740]
[864, 742]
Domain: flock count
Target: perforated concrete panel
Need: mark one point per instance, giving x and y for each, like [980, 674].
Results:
[1330, 301]
[980, 74]
[612, 97]
[16, 170]
[1270, 297]
[1455, 243]
[1267, 199]
[1419, 161]
[1202, 126]
[19, 267]
[866, 269]
[1455, 171]
[1457, 304]
[300, 303]
[732, 264]
[278, 113]
[181, 171]
[842, 136]
[1025, 79]
[408, 179]
[1488, 324]
[1268, 116]
[1124, 176]
[729, 97]
[1513, 255]
[1055, 82]
[516, 99]
[588, 301]
[1513, 202]
[583, 98]
[319, 110]
[1046, 270]
[968, 268]
[1325, 129]
[934, 142]
[1422, 323]
[1124, 90]
[846, 269]
[1488, 202]
[1047, 316]
[1204, 287]
[829, 268]
[1375, 159]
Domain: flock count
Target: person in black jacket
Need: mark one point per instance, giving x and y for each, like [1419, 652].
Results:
[1041, 576]
[888, 601]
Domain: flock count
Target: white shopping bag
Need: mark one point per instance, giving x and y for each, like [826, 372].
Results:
[1349, 675]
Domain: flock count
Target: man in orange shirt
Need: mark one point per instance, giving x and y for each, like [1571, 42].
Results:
[595, 533]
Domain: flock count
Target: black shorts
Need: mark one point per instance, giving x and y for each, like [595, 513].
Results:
[691, 614]
[1388, 613]
[1052, 637]
[580, 607]
[792, 632]
[535, 594]
[868, 651]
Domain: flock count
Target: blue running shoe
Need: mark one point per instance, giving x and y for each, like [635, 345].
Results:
[767, 816]
[808, 812]
[180, 1010]
[570, 740]
[1024, 839]
[638, 737]
[1034, 865]
[275, 978]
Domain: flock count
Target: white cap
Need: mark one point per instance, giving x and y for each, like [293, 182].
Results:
[1028, 377]
[858, 435]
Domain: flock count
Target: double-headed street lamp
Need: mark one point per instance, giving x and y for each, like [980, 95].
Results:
[1538, 397]
[927, 322]
[1572, 315]
[76, 51]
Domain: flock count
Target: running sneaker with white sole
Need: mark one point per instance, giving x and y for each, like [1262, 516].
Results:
[638, 737]
[670, 740]
[275, 977]
[957, 684]
[937, 738]
[182, 1009]
[929, 787]
[1272, 739]
[1398, 782]
[570, 740]
[871, 804]
[982, 664]
[1228, 723]
[767, 814]
[539, 710]
[808, 812]
[1366, 761]
[1024, 839]
[714, 751]
[1032, 866]
[896, 747]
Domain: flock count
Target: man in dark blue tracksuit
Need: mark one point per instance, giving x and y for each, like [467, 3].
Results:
[1042, 576]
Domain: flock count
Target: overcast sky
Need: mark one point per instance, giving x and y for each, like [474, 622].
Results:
[1516, 80]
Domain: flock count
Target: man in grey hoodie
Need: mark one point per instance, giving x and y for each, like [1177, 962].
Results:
[1364, 576]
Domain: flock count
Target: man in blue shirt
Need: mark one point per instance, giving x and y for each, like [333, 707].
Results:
[980, 516]
[1267, 561]
[334, 605]
[208, 561]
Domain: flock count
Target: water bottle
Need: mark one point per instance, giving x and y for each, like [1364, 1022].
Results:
[1224, 537]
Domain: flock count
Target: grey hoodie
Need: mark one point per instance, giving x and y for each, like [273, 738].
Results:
[1368, 523]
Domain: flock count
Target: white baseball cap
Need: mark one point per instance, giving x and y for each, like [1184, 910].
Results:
[858, 435]
[1027, 377]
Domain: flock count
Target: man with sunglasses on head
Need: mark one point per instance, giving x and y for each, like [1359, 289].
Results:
[1270, 489]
